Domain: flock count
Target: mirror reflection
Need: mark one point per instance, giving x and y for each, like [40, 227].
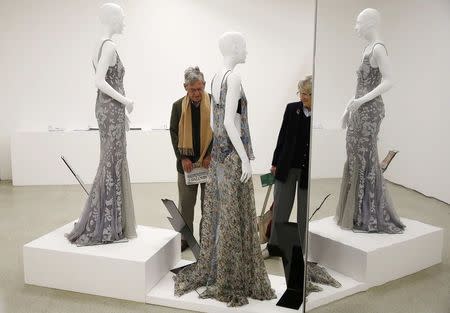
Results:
[369, 141]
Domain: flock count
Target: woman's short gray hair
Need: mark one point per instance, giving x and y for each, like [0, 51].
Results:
[193, 74]
[305, 85]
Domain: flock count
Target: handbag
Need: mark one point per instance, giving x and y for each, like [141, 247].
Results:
[264, 220]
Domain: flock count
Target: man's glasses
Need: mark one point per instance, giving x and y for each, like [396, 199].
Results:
[195, 89]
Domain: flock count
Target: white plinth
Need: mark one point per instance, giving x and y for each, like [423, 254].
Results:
[163, 294]
[121, 270]
[375, 258]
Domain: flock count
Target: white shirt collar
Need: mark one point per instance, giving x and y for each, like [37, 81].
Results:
[306, 112]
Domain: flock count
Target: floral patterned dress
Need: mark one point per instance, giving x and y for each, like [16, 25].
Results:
[230, 265]
[364, 202]
[108, 214]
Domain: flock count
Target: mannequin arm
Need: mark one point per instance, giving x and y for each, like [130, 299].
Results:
[231, 105]
[211, 114]
[106, 59]
[382, 60]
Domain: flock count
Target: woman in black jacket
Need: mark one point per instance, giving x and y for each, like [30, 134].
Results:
[290, 164]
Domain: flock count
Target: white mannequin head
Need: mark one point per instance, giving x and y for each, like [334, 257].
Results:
[232, 46]
[112, 16]
[368, 23]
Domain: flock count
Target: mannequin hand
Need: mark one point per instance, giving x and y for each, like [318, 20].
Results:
[127, 123]
[206, 161]
[129, 106]
[273, 170]
[344, 119]
[187, 165]
[354, 105]
[246, 171]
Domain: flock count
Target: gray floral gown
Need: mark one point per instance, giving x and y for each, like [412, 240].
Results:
[230, 265]
[108, 214]
[364, 202]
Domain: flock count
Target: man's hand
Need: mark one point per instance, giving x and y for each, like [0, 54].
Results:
[187, 165]
[354, 104]
[206, 161]
[273, 170]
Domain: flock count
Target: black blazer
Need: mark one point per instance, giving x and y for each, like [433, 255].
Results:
[294, 132]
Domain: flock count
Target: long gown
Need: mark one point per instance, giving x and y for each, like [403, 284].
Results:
[230, 263]
[108, 214]
[364, 202]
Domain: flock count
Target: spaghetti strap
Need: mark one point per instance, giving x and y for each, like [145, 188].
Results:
[100, 52]
[101, 48]
[378, 43]
[212, 82]
[225, 76]
[223, 79]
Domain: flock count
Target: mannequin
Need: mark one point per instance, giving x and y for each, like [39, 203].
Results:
[367, 27]
[230, 264]
[108, 215]
[364, 203]
[233, 48]
[112, 19]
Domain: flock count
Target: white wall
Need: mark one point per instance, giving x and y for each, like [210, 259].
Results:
[47, 48]
[416, 34]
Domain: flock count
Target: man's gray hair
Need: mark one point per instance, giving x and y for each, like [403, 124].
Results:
[193, 74]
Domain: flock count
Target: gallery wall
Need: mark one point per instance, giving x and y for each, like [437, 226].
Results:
[417, 107]
[48, 45]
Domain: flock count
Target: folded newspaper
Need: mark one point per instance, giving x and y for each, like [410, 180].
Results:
[197, 176]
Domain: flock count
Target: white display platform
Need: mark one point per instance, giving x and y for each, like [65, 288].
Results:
[375, 258]
[150, 157]
[120, 270]
[162, 294]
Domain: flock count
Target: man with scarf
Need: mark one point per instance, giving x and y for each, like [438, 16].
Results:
[191, 136]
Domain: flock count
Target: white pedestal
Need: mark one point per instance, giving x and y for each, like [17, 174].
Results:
[375, 258]
[120, 270]
[163, 294]
[139, 269]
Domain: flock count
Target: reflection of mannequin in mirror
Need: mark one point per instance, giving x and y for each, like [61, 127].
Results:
[108, 215]
[230, 262]
[367, 27]
[364, 202]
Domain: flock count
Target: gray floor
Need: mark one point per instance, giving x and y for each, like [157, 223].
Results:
[29, 212]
